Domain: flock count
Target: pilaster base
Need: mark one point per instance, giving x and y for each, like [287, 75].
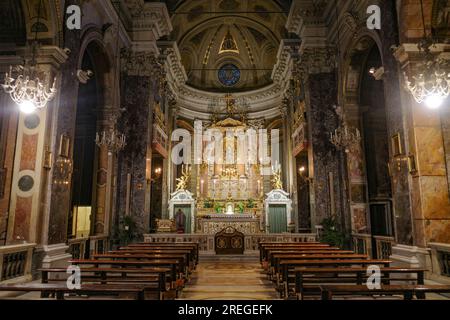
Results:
[56, 256]
[411, 257]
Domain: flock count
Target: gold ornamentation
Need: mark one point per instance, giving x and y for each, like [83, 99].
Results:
[276, 180]
[183, 181]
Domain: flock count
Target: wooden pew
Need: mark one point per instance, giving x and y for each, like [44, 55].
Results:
[407, 291]
[188, 256]
[193, 248]
[271, 263]
[277, 258]
[315, 276]
[287, 265]
[193, 245]
[58, 290]
[183, 269]
[172, 264]
[264, 249]
[155, 279]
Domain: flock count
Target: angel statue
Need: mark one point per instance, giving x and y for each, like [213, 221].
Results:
[277, 184]
[182, 182]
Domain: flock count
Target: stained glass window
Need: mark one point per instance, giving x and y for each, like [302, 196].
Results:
[229, 75]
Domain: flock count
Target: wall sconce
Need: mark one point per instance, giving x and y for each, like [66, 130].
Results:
[302, 173]
[377, 73]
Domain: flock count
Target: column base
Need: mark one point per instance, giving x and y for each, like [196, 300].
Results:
[436, 274]
[411, 257]
[56, 256]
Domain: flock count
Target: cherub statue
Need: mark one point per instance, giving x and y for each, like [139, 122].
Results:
[183, 181]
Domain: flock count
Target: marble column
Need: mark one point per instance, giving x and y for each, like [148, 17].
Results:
[138, 88]
[395, 125]
[322, 94]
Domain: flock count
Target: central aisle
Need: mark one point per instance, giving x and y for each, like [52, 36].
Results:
[229, 278]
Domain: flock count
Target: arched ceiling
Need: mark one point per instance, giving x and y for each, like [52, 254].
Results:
[200, 26]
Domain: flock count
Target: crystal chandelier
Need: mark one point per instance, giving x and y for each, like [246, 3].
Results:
[25, 87]
[344, 137]
[432, 84]
[112, 140]
[27, 90]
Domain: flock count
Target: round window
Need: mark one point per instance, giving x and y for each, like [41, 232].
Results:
[229, 75]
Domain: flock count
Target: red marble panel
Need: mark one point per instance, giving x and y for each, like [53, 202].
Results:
[22, 218]
[29, 151]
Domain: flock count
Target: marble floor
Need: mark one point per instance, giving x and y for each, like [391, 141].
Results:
[229, 278]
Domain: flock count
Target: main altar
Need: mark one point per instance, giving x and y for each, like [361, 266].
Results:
[227, 184]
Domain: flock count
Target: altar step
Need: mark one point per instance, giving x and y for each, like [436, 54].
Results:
[251, 257]
[229, 277]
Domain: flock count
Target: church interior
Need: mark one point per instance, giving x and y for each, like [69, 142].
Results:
[224, 150]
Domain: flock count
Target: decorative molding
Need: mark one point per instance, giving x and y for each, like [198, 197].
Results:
[318, 59]
[139, 63]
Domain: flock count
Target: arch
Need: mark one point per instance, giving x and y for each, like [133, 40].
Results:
[182, 124]
[360, 47]
[13, 28]
[275, 124]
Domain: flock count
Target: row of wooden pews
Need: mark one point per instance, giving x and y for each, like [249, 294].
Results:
[138, 271]
[318, 270]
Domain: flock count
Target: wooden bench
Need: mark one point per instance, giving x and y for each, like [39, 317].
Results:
[407, 291]
[287, 265]
[277, 258]
[189, 256]
[58, 290]
[172, 264]
[181, 259]
[189, 245]
[155, 279]
[265, 249]
[305, 276]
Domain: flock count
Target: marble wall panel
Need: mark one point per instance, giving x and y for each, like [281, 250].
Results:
[429, 151]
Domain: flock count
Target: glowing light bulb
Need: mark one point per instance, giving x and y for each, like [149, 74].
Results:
[27, 107]
[434, 101]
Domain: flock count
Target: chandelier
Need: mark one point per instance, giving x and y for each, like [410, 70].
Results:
[432, 83]
[344, 137]
[112, 140]
[27, 90]
[25, 87]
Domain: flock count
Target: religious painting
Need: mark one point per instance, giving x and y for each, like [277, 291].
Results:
[355, 165]
[358, 192]
[359, 219]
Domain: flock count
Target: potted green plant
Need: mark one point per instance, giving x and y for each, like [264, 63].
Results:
[331, 234]
[240, 207]
[208, 204]
[127, 230]
[250, 203]
[218, 207]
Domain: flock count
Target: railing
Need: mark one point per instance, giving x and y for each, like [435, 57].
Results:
[440, 253]
[362, 244]
[98, 244]
[77, 247]
[384, 246]
[16, 262]
[206, 241]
